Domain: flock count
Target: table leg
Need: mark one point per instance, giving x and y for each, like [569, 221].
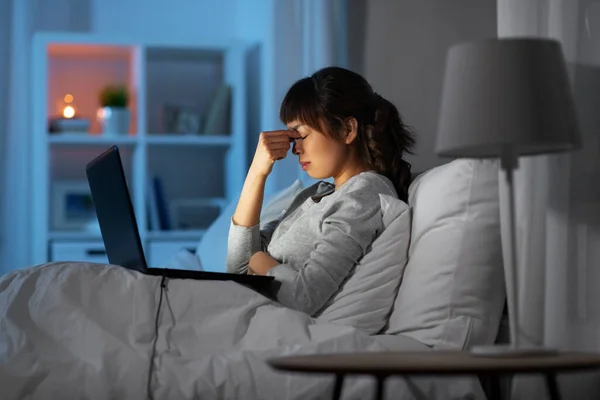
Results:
[337, 389]
[552, 386]
[491, 386]
[380, 387]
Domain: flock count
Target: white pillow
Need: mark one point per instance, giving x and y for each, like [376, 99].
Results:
[212, 249]
[184, 259]
[365, 299]
[452, 293]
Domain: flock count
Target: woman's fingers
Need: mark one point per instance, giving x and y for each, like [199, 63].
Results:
[277, 135]
[279, 154]
[281, 135]
[272, 146]
[276, 144]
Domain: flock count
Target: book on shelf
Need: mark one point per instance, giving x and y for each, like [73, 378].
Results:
[218, 115]
[158, 212]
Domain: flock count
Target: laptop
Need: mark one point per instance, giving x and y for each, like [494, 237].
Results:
[119, 229]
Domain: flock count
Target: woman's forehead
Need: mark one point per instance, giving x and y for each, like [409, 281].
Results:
[295, 125]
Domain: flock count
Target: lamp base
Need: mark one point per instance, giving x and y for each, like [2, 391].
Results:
[510, 351]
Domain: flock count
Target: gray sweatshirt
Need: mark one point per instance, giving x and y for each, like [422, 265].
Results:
[318, 240]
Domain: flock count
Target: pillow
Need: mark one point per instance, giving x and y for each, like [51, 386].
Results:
[365, 299]
[184, 259]
[452, 293]
[212, 249]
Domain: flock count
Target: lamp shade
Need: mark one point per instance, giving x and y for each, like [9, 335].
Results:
[504, 94]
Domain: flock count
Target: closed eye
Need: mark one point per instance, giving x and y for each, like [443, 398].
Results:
[300, 138]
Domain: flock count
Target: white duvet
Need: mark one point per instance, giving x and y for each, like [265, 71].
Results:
[85, 331]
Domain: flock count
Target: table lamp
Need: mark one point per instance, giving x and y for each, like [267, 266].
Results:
[504, 98]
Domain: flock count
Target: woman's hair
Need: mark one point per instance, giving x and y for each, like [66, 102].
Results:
[326, 101]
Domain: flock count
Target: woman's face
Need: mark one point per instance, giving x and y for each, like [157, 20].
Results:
[319, 155]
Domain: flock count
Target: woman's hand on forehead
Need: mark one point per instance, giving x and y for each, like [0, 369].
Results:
[293, 135]
[281, 134]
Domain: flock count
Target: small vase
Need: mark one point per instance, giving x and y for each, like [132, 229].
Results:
[115, 121]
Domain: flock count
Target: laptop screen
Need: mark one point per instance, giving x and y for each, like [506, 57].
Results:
[114, 210]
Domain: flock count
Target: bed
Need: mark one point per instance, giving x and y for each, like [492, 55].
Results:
[80, 330]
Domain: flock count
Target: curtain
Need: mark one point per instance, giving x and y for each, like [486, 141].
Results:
[5, 30]
[558, 203]
[309, 35]
[14, 216]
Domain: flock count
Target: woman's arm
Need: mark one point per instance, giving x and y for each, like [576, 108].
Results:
[244, 234]
[243, 243]
[272, 146]
[247, 212]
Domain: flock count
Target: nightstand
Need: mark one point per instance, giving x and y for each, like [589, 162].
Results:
[381, 365]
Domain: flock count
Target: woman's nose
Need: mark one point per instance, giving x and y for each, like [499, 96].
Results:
[297, 147]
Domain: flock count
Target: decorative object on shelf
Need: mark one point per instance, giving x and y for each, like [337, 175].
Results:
[114, 115]
[194, 214]
[69, 120]
[218, 117]
[72, 205]
[181, 120]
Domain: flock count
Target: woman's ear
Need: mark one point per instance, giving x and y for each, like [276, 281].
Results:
[351, 130]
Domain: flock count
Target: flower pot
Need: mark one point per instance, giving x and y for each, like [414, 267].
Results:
[115, 121]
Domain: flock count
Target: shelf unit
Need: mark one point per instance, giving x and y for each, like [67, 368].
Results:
[208, 167]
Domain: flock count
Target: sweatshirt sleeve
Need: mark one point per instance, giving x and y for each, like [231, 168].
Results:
[347, 231]
[243, 242]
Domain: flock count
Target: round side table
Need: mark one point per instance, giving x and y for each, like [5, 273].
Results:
[381, 365]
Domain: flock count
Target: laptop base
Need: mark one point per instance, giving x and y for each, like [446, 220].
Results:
[258, 282]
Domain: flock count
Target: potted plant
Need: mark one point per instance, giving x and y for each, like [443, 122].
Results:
[114, 114]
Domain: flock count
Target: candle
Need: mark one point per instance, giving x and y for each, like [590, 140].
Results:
[68, 110]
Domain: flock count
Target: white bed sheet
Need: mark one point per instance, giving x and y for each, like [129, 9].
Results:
[79, 330]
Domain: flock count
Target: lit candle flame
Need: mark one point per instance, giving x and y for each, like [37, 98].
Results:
[68, 112]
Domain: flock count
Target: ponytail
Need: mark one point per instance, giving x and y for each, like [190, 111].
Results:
[385, 143]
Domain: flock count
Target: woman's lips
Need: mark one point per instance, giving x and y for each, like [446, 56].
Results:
[304, 165]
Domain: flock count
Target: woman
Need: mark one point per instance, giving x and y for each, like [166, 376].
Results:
[339, 129]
